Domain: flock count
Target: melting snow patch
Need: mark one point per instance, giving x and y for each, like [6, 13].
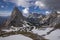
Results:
[41, 32]
[9, 30]
[55, 35]
[15, 37]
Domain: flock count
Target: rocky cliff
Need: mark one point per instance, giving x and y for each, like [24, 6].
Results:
[16, 18]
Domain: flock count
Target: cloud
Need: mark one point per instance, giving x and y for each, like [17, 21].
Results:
[5, 13]
[2, 6]
[27, 3]
[48, 12]
[50, 4]
[40, 4]
[58, 11]
[23, 3]
[26, 12]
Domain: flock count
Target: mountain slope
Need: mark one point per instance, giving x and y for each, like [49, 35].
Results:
[16, 18]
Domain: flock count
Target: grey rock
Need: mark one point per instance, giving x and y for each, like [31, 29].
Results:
[16, 18]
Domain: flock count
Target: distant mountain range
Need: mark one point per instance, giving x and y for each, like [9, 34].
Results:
[38, 20]
[3, 19]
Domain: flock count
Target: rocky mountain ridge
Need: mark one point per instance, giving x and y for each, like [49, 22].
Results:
[38, 20]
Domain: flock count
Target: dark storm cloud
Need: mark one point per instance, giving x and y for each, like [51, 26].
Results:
[53, 4]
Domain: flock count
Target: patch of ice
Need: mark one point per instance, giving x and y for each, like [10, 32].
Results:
[15, 37]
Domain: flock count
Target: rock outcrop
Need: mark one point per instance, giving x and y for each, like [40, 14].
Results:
[16, 19]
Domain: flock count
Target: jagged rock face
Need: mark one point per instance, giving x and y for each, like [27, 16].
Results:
[56, 22]
[50, 18]
[16, 18]
[53, 20]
